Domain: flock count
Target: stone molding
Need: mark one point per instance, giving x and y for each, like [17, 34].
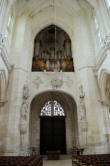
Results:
[56, 83]
[104, 102]
[3, 88]
[103, 52]
[3, 52]
[37, 82]
[2, 103]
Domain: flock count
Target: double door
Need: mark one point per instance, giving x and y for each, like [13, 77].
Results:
[52, 134]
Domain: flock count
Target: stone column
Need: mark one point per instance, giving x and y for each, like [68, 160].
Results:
[20, 57]
[84, 59]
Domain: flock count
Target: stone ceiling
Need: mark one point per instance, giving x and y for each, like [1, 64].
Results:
[33, 7]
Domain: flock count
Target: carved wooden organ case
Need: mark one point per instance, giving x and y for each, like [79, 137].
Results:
[52, 59]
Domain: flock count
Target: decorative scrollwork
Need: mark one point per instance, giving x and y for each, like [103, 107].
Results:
[37, 82]
[56, 83]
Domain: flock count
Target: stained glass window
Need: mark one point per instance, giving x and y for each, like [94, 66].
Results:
[46, 110]
[52, 108]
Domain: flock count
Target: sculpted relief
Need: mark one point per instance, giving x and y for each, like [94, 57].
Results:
[23, 116]
[37, 82]
[56, 83]
[83, 119]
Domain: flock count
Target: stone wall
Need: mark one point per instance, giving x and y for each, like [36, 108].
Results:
[77, 20]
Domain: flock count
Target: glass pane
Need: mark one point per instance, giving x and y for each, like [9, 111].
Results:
[46, 110]
[58, 110]
[52, 108]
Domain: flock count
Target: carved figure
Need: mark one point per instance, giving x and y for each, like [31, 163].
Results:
[25, 91]
[23, 122]
[83, 110]
[37, 82]
[23, 117]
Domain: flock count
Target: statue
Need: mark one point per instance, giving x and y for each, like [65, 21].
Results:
[23, 122]
[82, 103]
[83, 110]
[83, 119]
[23, 116]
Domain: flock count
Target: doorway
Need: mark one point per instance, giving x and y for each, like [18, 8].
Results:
[52, 134]
[53, 111]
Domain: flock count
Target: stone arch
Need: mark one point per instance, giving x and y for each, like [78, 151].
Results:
[52, 43]
[60, 23]
[70, 108]
[47, 22]
[2, 85]
[42, 27]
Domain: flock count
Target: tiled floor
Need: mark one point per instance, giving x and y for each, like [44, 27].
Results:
[64, 161]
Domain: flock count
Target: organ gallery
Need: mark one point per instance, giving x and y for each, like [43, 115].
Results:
[52, 51]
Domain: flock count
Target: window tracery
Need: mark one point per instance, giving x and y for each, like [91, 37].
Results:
[52, 108]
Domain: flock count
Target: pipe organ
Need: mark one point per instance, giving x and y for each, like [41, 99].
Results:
[52, 59]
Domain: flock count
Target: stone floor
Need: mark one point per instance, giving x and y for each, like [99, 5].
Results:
[64, 161]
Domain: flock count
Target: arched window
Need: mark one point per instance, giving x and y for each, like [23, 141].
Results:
[52, 108]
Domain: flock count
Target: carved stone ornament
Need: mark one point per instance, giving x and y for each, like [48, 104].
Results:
[81, 92]
[37, 82]
[25, 91]
[2, 39]
[56, 83]
[104, 102]
[69, 82]
[107, 40]
[2, 103]
[23, 123]
[23, 120]
[84, 125]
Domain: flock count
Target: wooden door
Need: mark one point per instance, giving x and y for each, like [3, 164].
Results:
[52, 134]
